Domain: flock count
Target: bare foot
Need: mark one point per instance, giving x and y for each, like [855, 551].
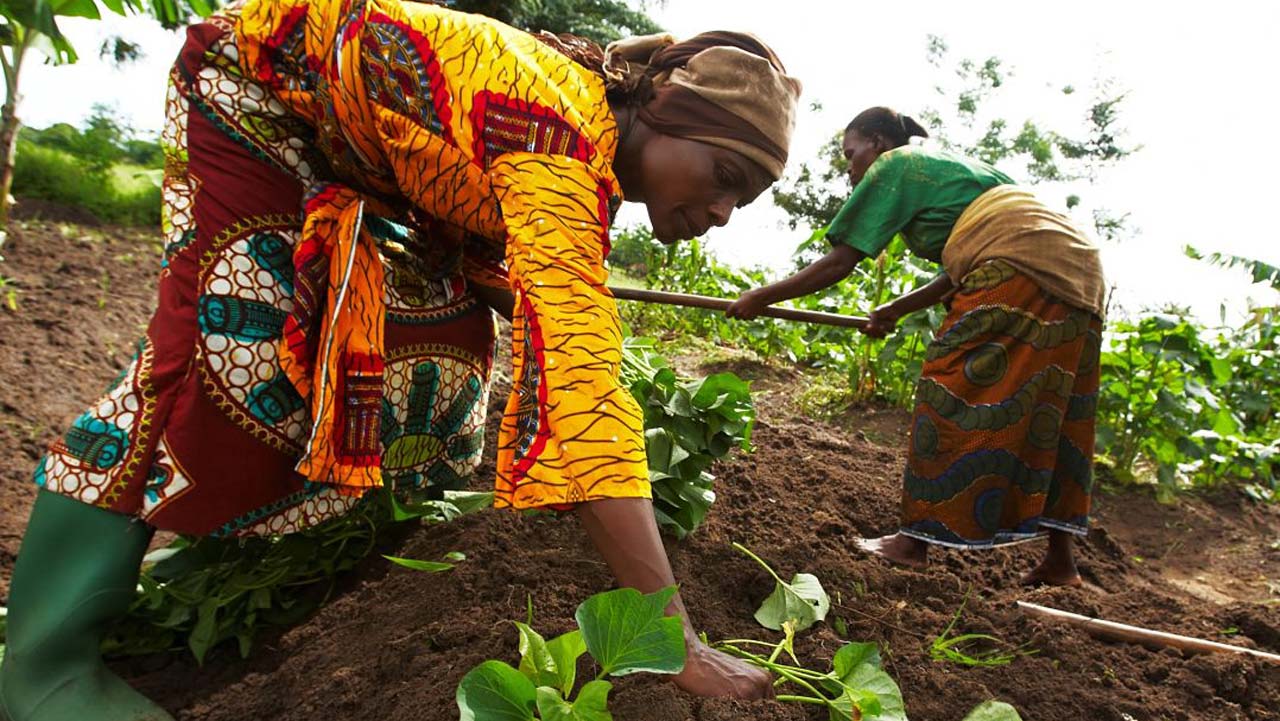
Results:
[898, 549]
[1053, 573]
[1059, 565]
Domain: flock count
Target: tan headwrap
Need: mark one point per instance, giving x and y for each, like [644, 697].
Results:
[722, 88]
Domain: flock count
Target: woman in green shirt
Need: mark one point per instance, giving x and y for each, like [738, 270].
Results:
[1002, 436]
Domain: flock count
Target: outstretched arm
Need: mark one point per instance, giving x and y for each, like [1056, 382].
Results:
[625, 533]
[828, 270]
[885, 318]
[573, 435]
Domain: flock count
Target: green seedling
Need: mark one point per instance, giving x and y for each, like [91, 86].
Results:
[960, 649]
[855, 688]
[802, 602]
[625, 632]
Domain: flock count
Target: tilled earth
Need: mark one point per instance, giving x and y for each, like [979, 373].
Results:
[394, 643]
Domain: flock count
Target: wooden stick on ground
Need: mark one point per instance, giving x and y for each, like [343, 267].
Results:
[721, 304]
[1136, 634]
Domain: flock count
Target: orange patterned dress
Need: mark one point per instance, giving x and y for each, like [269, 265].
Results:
[339, 174]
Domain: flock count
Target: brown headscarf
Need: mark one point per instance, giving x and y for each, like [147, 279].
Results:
[722, 88]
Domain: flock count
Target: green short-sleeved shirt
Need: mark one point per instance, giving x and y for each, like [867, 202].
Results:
[915, 191]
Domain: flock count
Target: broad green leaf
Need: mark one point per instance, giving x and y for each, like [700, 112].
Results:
[536, 662]
[430, 510]
[716, 390]
[470, 501]
[205, 633]
[852, 655]
[658, 444]
[993, 711]
[76, 8]
[802, 601]
[678, 454]
[869, 678]
[628, 632]
[415, 564]
[841, 708]
[679, 404]
[592, 704]
[493, 691]
[565, 649]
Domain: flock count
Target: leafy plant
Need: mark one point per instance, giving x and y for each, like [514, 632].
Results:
[855, 687]
[625, 632]
[688, 425]
[93, 168]
[871, 368]
[1190, 405]
[27, 26]
[800, 603]
[961, 649]
[199, 593]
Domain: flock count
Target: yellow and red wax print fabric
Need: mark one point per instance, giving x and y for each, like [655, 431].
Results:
[1003, 434]
[338, 175]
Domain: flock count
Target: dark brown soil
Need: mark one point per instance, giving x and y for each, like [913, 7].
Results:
[394, 643]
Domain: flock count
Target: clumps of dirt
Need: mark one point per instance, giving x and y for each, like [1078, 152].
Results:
[393, 643]
[84, 296]
[40, 210]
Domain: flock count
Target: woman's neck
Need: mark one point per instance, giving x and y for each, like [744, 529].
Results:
[632, 136]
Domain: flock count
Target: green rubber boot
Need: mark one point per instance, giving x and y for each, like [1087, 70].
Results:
[76, 573]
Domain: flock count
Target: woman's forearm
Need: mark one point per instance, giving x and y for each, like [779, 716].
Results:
[501, 300]
[625, 533]
[925, 296]
[828, 270]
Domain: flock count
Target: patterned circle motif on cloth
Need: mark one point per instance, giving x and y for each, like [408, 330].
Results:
[402, 71]
[986, 364]
[989, 508]
[432, 427]
[1042, 432]
[245, 297]
[101, 443]
[1092, 353]
[924, 437]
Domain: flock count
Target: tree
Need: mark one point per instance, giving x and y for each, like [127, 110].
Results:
[600, 20]
[813, 198]
[27, 25]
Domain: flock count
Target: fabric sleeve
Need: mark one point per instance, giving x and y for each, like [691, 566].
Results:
[571, 431]
[879, 208]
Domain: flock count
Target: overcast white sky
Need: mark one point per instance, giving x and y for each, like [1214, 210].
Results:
[1202, 102]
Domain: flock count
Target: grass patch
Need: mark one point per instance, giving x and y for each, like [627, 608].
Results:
[123, 195]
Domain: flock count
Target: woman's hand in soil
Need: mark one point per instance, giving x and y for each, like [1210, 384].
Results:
[708, 672]
[749, 305]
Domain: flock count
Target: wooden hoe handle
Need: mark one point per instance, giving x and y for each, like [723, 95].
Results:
[721, 304]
